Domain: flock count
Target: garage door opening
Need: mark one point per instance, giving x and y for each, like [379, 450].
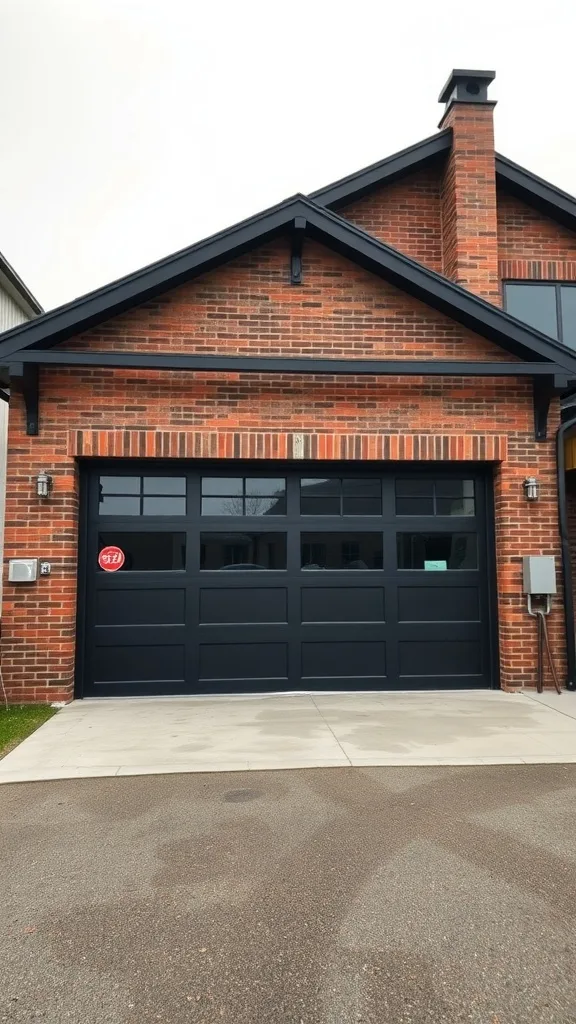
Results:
[244, 578]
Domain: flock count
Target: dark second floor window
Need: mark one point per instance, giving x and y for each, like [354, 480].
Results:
[548, 306]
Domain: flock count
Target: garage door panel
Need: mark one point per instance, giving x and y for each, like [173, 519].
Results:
[351, 658]
[435, 603]
[342, 604]
[146, 661]
[243, 604]
[133, 606]
[440, 657]
[243, 661]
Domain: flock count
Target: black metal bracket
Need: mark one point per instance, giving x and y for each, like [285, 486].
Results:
[26, 376]
[544, 389]
[297, 241]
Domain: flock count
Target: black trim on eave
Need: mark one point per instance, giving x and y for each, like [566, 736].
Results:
[358, 184]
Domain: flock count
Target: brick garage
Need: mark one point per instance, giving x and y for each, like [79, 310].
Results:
[312, 279]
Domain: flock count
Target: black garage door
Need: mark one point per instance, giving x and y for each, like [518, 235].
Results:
[244, 578]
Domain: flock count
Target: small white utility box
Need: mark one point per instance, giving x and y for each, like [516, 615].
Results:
[22, 570]
[539, 574]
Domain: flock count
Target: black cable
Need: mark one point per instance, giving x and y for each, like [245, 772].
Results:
[542, 616]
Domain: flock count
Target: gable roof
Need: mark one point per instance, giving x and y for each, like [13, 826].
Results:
[295, 215]
[356, 185]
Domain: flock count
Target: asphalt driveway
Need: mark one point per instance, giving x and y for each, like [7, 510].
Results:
[326, 896]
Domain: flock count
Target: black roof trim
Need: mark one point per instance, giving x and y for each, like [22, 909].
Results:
[326, 227]
[552, 201]
[356, 185]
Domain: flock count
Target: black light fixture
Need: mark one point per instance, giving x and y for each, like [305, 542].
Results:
[531, 488]
[43, 484]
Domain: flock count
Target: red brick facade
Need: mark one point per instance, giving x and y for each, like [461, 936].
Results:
[406, 214]
[469, 219]
[448, 222]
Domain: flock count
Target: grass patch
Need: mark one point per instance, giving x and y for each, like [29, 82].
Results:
[17, 721]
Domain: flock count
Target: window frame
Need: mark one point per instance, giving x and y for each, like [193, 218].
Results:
[243, 497]
[540, 283]
[141, 495]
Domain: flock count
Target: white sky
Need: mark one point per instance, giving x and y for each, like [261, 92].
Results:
[131, 128]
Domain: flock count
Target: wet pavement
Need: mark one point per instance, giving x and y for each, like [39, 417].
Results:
[328, 896]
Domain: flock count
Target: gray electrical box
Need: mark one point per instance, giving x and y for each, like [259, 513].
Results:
[539, 574]
[22, 570]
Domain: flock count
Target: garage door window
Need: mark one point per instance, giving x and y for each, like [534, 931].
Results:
[243, 496]
[340, 496]
[242, 551]
[341, 551]
[147, 552]
[142, 496]
[437, 551]
[423, 496]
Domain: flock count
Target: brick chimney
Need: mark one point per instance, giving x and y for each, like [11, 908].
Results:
[469, 224]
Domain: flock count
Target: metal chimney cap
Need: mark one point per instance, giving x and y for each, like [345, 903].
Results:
[467, 86]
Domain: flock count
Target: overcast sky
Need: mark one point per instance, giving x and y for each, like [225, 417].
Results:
[132, 128]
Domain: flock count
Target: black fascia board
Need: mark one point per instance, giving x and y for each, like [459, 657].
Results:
[359, 184]
[543, 196]
[330, 230]
[245, 363]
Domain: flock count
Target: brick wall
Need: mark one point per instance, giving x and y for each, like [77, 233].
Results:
[405, 214]
[469, 221]
[250, 306]
[526, 234]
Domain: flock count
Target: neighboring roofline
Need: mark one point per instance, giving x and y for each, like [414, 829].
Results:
[537, 192]
[295, 215]
[17, 290]
[356, 185]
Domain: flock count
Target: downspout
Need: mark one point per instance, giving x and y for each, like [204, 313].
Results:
[565, 549]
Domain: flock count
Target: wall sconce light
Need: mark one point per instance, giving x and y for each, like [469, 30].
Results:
[43, 484]
[531, 488]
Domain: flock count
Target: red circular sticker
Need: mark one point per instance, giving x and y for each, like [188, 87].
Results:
[111, 558]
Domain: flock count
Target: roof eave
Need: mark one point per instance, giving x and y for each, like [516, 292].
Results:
[354, 186]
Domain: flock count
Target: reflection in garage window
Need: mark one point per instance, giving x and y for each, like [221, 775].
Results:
[243, 496]
[242, 551]
[341, 551]
[142, 496]
[337, 496]
[425, 496]
[147, 552]
[439, 550]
